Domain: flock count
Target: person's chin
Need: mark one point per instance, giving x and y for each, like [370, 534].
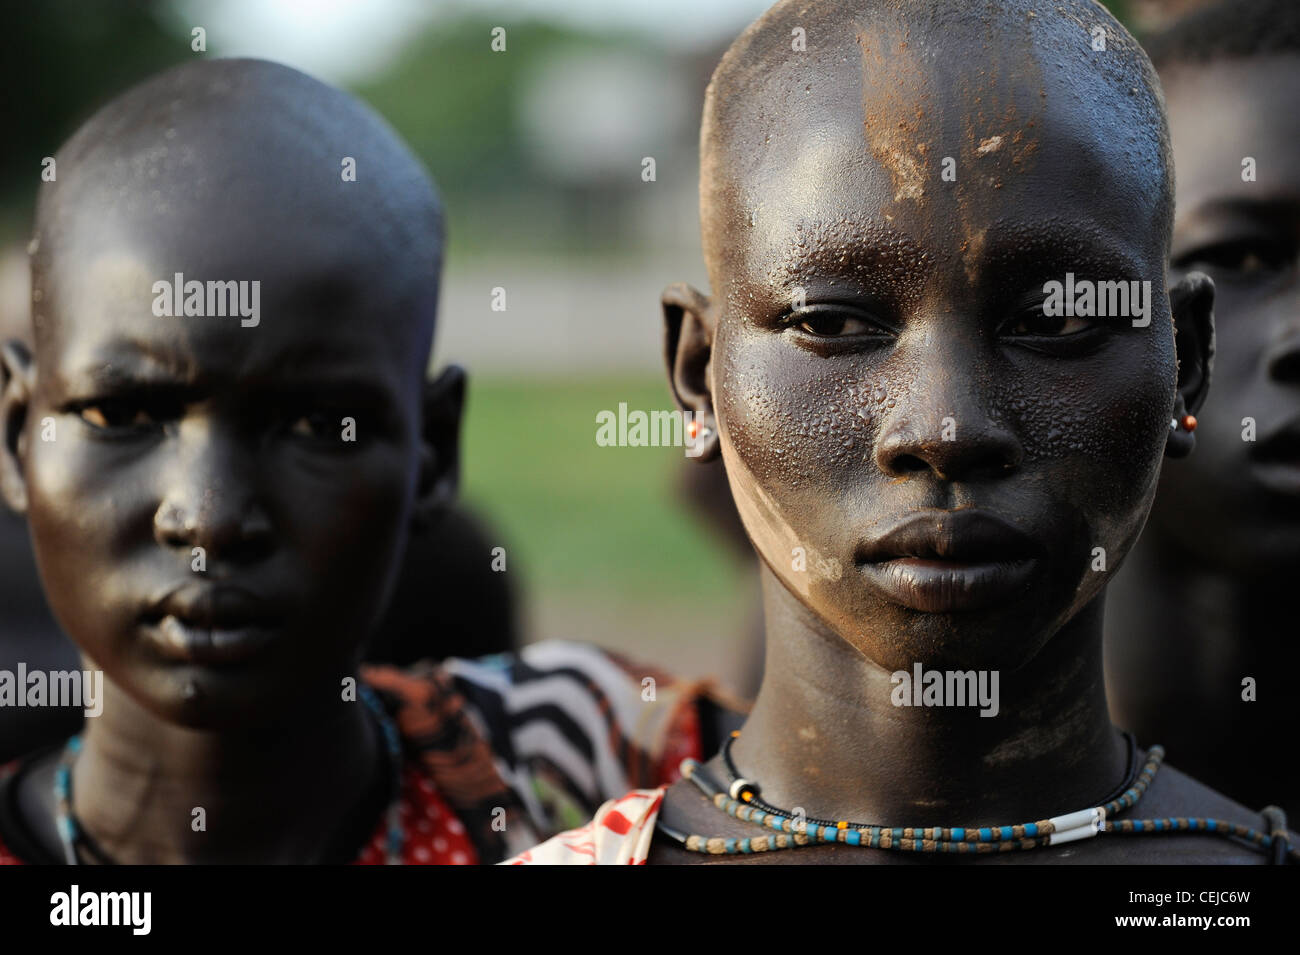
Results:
[1003, 636]
[209, 698]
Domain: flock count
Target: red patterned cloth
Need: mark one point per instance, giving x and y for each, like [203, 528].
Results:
[434, 836]
[619, 834]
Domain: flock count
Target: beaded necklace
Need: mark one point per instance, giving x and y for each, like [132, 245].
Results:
[741, 801]
[72, 835]
[739, 786]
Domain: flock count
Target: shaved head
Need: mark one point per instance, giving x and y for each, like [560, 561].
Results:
[917, 83]
[218, 154]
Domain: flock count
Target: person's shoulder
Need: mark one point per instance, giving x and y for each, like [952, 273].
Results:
[1180, 820]
[19, 843]
[1174, 793]
[619, 833]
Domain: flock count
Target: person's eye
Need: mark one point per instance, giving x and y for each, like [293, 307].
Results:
[329, 427]
[1033, 323]
[116, 416]
[1240, 259]
[821, 322]
[316, 425]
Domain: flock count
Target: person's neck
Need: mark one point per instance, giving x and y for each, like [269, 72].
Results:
[824, 734]
[273, 794]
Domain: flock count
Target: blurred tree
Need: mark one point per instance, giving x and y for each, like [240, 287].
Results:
[62, 59]
[1121, 10]
[457, 102]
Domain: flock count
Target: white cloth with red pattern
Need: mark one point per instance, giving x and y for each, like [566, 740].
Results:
[619, 834]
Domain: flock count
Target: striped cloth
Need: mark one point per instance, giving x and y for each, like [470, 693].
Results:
[573, 726]
[547, 735]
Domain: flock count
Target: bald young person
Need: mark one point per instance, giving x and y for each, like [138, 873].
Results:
[926, 452]
[221, 439]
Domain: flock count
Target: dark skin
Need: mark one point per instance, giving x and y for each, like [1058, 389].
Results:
[208, 434]
[1206, 599]
[830, 418]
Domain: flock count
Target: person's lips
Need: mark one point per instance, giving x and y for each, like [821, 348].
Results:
[209, 624]
[1275, 459]
[949, 561]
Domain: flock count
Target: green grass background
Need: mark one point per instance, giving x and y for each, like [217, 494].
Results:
[577, 519]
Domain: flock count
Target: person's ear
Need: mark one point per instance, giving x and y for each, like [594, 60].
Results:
[1192, 302]
[17, 376]
[690, 322]
[443, 404]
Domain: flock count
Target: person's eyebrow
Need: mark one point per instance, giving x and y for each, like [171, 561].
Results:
[1274, 206]
[336, 389]
[322, 367]
[1224, 219]
[846, 246]
[126, 364]
[1046, 248]
[317, 358]
[134, 364]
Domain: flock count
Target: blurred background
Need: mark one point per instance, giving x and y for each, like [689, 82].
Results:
[539, 153]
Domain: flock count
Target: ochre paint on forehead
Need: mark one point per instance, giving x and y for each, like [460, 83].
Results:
[916, 94]
[991, 90]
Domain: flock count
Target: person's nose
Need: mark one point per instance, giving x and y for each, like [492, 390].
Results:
[943, 423]
[1282, 356]
[211, 499]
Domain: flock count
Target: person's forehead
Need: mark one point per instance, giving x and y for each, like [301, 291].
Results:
[203, 353]
[94, 248]
[870, 144]
[1225, 112]
[315, 307]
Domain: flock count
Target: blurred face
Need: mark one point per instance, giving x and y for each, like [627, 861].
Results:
[204, 530]
[1235, 501]
[925, 459]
